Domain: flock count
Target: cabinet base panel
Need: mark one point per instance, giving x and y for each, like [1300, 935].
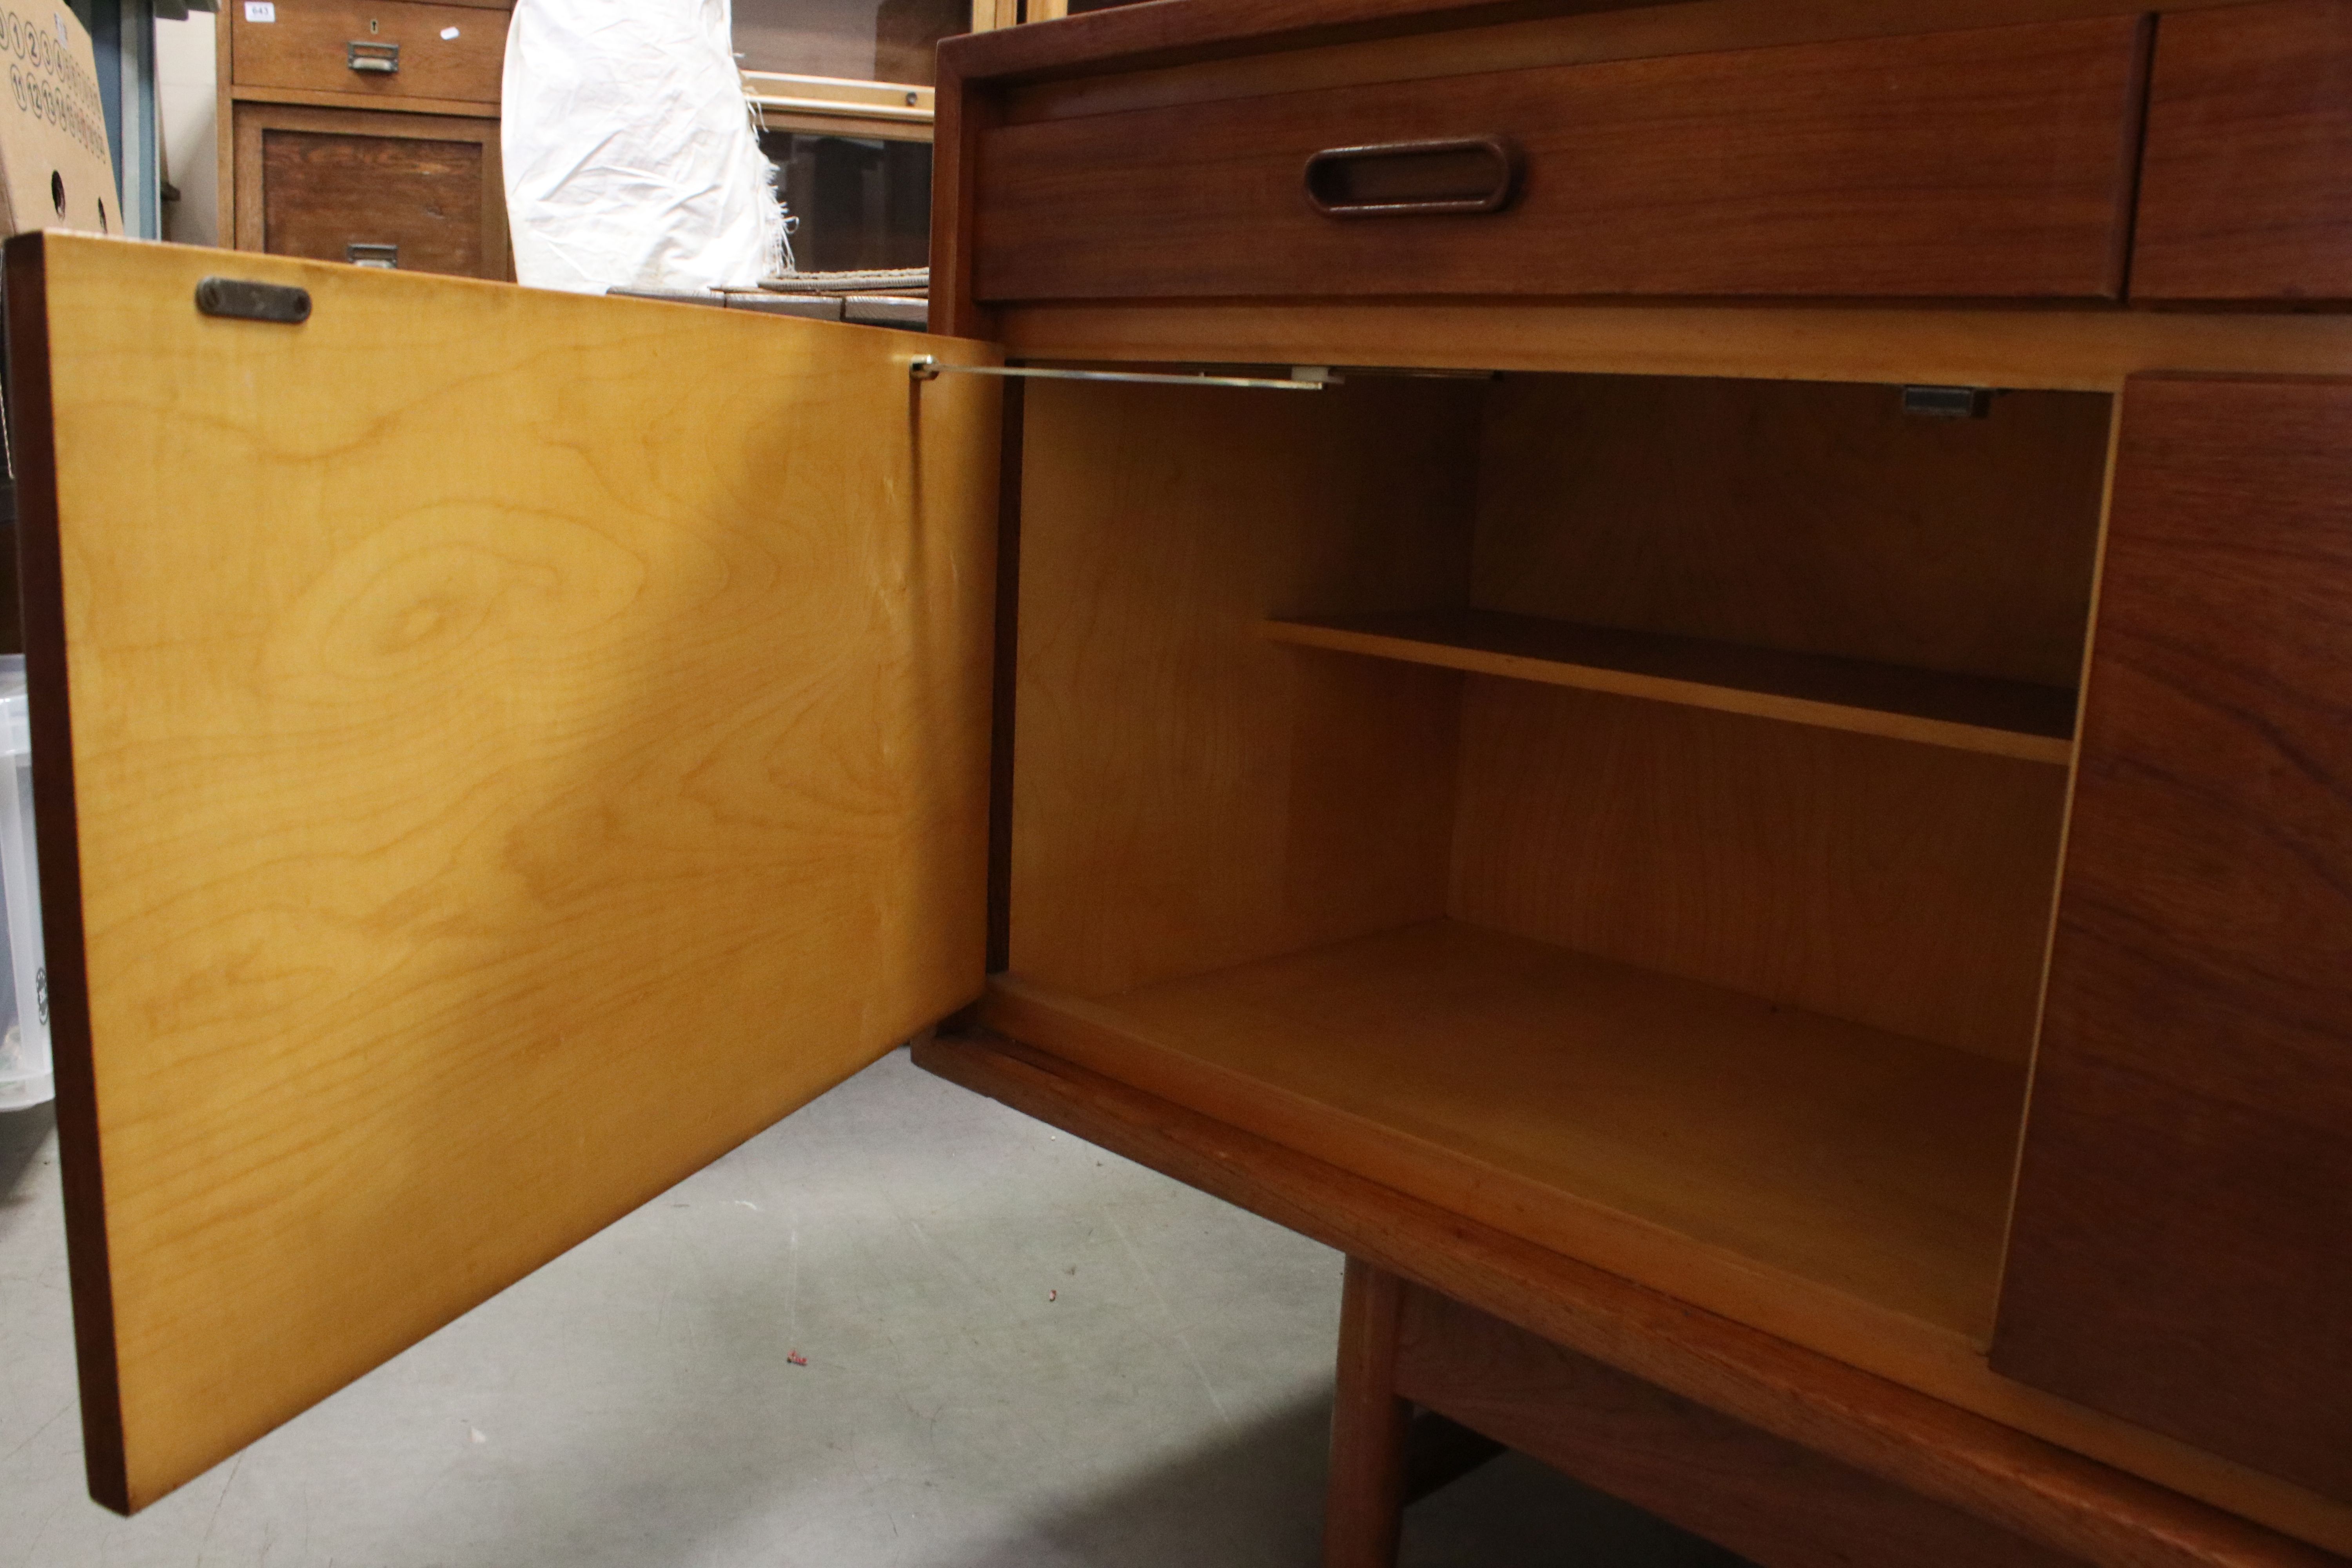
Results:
[1775, 1503]
[2035, 1481]
[1777, 1164]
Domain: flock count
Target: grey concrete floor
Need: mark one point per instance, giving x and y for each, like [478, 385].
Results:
[1020, 1350]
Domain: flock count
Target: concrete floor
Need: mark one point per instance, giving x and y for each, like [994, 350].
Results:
[1020, 1350]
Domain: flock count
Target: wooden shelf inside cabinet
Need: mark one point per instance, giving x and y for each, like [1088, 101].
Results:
[1967, 713]
[1616, 1114]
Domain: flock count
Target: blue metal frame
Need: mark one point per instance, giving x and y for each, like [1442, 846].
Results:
[122, 35]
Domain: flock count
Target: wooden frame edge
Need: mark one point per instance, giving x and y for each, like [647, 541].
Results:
[2135, 154]
[2065, 350]
[1123, 40]
[801, 122]
[962, 112]
[1004, 677]
[41, 574]
[1364, 1504]
[224, 135]
[1132, 38]
[322, 98]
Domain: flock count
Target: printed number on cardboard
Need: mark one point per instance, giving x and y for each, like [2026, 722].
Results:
[261, 10]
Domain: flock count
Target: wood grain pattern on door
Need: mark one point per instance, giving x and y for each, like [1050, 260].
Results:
[2181, 1254]
[497, 751]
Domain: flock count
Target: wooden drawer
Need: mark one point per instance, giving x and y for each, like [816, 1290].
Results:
[1986, 163]
[424, 192]
[2247, 191]
[448, 52]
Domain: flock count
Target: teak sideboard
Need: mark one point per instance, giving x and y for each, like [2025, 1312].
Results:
[1737, 760]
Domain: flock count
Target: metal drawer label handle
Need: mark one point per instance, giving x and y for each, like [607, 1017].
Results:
[1462, 175]
[241, 300]
[360, 253]
[384, 59]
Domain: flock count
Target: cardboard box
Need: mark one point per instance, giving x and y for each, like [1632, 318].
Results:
[55, 169]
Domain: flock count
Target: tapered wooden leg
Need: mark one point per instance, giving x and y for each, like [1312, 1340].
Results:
[1366, 1500]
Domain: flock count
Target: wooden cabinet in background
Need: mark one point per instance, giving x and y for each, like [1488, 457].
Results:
[367, 133]
[421, 191]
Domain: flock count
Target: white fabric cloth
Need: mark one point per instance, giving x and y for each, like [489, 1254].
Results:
[631, 158]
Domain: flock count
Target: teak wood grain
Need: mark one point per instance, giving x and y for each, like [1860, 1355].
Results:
[1187, 795]
[2056, 349]
[1989, 163]
[2183, 1248]
[1148, 38]
[1900, 887]
[1207, 29]
[1775, 1503]
[1797, 515]
[961, 115]
[1190, 798]
[1365, 1497]
[307, 47]
[497, 751]
[1967, 713]
[2044, 1492]
[2246, 183]
[1833, 1182]
[1573, 37]
[1907, 891]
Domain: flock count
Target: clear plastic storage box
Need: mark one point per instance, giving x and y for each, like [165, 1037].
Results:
[24, 1072]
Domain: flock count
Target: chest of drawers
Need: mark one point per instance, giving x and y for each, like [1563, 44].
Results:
[366, 132]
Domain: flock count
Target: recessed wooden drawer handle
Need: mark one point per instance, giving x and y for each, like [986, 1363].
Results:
[1414, 179]
[382, 60]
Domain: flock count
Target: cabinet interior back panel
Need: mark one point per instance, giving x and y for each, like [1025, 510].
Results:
[1900, 886]
[1189, 795]
[1808, 516]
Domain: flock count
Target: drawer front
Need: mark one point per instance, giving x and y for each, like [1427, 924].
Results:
[335, 196]
[2247, 192]
[1987, 163]
[421, 192]
[388, 50]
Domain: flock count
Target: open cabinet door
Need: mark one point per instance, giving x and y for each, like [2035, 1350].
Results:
[495, 750]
